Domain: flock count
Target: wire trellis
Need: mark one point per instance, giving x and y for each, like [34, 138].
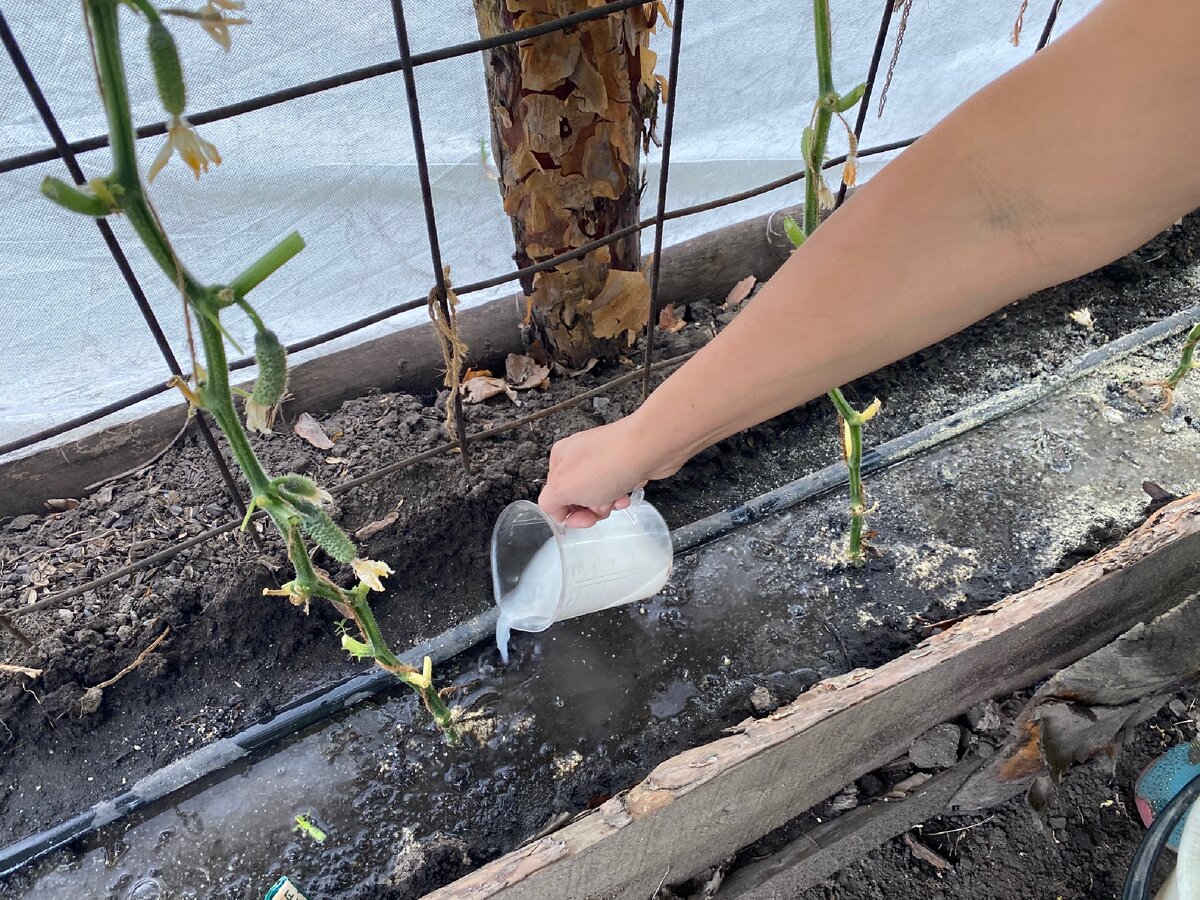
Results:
[406, 63]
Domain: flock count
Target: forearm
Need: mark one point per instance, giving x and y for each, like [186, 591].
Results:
[1067, 162]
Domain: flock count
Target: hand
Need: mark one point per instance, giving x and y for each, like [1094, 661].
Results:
[592, 473]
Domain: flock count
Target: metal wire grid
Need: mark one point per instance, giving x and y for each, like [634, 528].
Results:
[406, 63]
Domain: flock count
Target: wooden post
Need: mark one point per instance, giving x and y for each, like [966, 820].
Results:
[572, 113]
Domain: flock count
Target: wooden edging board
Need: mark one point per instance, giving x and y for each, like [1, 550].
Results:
[700, 807]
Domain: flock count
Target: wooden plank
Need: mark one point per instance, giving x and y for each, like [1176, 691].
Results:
[1086, 709]
[701, 806]
[817, 854]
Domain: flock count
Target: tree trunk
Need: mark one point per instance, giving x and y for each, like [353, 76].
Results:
[572, 112]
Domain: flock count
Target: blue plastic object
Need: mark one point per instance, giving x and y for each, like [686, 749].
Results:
[1162, 780]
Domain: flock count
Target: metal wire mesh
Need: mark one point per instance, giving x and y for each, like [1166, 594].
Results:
[406, 64]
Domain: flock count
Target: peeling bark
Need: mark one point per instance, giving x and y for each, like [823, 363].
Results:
[572, 112]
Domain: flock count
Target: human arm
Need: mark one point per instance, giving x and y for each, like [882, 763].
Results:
[1073, 158]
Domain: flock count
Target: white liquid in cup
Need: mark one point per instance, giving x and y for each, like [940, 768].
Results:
[626, 557]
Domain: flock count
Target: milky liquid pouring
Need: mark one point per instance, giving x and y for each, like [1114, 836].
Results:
[539, 579]
[614, 562]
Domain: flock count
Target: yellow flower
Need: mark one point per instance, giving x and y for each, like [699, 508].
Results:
[369, 572]
[213, 20]
[193, 149]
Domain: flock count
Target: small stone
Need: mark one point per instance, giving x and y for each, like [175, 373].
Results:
[1172, 426]
[763, 700]
[844, 801]
[175, 510]
[65, 616]
[908, 785]
[90, 701]
[215, 509]
[22, 523]
[1178, 709]
[601, 404]
[1113, 416]
[937, 748]
[870, 785]
[985, 717]
[1058, 823]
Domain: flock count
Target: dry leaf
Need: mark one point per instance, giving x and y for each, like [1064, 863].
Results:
[668, 321]
[920, 851]
[62, 504]
[740, 291]
[484, 387]
[20, 670]
[373, 528]
[477, 373]
[310, 429]
[524, 373]
[335, 460]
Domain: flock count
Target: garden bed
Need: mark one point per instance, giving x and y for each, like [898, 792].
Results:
[587, 708]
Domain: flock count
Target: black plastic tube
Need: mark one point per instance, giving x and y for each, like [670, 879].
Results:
[322, 705]
[1145, 858]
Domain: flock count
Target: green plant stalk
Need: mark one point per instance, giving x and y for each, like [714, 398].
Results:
[822, 118]
[214, 394]
[850, 420]
[1186, 363]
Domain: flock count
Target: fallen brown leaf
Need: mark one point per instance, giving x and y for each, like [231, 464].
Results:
[310, 429]
[484, 387]
[524, 373]
[373, 528]
[740, 291]
[476, 373]
[668, 321]
[920, 851]
[62, 504]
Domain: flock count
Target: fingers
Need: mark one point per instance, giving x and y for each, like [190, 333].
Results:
[581, 518]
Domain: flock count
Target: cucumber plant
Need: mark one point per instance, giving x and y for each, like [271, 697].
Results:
[818, 196]
[294, 503]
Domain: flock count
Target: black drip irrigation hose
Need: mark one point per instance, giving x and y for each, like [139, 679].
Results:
[322, 705]
[1145, 858]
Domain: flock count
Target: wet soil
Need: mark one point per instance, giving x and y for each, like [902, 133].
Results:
[586, 708]
[232, 656]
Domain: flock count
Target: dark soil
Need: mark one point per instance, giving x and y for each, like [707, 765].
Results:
[1079, 849]
[233, 656]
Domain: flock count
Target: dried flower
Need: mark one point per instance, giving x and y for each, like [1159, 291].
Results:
[824, 194]
[214, 21]
[296, 595]
[1083, 317]
[259, 417]
[192, 149]
[369, 572]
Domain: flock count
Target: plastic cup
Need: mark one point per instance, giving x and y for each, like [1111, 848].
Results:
[543, 572]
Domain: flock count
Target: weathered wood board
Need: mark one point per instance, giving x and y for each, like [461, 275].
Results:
[698, 808]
